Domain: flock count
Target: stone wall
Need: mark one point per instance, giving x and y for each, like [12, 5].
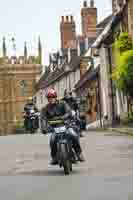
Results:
[16, 85]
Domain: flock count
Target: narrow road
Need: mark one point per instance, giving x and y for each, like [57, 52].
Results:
[26, 174]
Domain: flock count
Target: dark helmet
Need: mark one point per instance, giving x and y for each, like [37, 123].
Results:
[67, 94]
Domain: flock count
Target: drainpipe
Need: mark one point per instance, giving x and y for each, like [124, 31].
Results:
[128, 108]
[111, 84]
[99, 99]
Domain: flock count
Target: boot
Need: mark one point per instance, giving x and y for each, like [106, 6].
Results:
[81, 157]
[54, 161]
[81, 135]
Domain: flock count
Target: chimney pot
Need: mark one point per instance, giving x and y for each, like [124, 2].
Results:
[67, 18]
[72, 18]
[92, 3]
[85, 4]
[62, 18]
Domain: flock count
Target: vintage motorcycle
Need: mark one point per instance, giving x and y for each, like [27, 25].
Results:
[31, 121]
[66, 156]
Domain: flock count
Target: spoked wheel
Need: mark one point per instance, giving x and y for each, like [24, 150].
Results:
[67, 167]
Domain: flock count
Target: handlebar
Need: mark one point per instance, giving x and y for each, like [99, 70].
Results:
[56, 122]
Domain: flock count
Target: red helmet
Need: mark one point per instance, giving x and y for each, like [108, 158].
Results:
[51, 93]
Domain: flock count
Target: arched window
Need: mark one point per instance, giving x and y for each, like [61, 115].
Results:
[41, 96]
[23, 86]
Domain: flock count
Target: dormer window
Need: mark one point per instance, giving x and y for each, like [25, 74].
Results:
[96, 53]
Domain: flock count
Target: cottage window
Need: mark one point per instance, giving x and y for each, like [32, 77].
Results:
[41, 97]
[35, 100]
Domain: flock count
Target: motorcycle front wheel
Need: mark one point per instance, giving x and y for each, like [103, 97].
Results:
[67, 167]
[65, 160]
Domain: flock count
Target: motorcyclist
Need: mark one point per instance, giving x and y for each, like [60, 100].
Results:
[72, 102]
[68, 98]
[28, 107]
[53, 110]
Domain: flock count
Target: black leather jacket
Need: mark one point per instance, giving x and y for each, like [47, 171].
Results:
[72, 103]
[50, 112]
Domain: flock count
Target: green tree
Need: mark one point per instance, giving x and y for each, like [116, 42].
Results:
[123, 42]
[123, 73]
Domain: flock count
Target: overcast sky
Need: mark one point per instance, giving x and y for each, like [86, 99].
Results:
[27, 19]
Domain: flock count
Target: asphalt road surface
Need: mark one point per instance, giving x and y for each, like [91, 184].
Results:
[107, 174]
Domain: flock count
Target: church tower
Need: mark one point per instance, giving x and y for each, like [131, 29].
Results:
[39, 51]
[4, 50]
[25, 52]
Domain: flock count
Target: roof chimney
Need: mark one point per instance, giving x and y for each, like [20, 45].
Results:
[89, 20]
[67, 18]
[68, 32]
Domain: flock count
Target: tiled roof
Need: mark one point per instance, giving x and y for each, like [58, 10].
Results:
[104, 22]
[89, 75]
[49, 77]
[106, 31]
[59, 73]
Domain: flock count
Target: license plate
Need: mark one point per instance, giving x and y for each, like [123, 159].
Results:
[60, 129]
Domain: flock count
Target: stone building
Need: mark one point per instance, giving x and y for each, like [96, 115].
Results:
[89, 84]
[18, 76]
[112, 103]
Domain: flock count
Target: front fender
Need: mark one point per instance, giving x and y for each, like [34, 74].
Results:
[63, 151]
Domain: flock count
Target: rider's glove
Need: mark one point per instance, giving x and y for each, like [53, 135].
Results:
[49, 129]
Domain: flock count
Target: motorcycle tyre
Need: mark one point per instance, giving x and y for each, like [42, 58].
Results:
[67, 167]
